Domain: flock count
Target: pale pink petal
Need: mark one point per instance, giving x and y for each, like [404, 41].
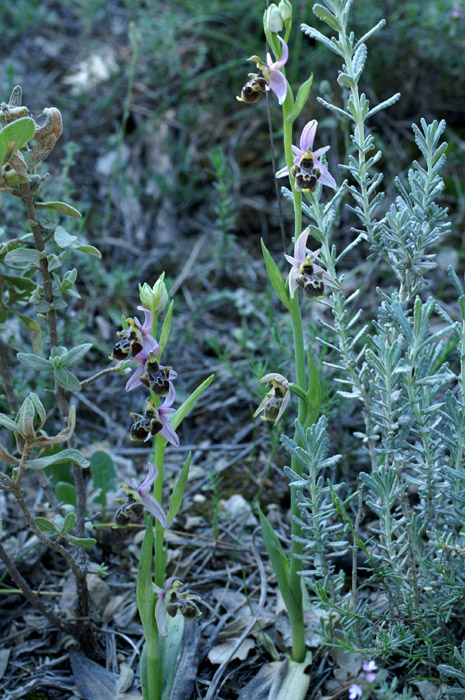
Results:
[297, 151]
[292, 283]
[168, 432]
[284, 57]
[134, 380]
[149, 481]
[327, 279]
[293, 261]
[316, 154]
[169, 400]
[146, 328]
[283, 172]
[308, 136]
[325, 178]
[301, 245]
[152, 506]
[149, 344]
[278, 84]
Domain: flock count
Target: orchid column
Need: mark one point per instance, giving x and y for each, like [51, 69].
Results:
[306, 172]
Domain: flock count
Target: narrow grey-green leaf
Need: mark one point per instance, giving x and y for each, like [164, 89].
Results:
[90, 250]
[22, 256]
[8, 422]
[63, 239]
[76, 354]
[66, 379]
[68, 524]
[62, 207]
[45, 525]
[276, 278]
[178, 493]
[314, 392]
[68, 455]
[326, 16]
[86, 542]
[35, 362]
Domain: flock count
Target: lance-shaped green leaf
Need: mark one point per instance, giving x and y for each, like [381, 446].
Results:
[145, 597]
[184, 409]
[276, 278]
[68, 524]
[66, 379]
[15, 136]
[62, 207]
[169, 652]
[300, 100]
[280, 564]
[35, 362]
[178, 493]
[68, 455]
[166, 329]
[291, 682]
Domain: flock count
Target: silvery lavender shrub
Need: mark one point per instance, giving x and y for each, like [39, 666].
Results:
[404, 522]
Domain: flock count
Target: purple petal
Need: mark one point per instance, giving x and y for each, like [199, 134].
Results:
[160, 616]
[283, 58]
[283, 172]
[152, 506]
[307, 136]
[301, 245]
[292, 261]
[149, 480]
[325, 178]
[319, 152]
[278, 84]
[168, 432]
[148, 321]
[133, 380]
[149, 345]
[169, 400]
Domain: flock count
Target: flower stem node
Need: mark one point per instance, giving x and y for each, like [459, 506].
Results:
[276, 400]
[170, 602]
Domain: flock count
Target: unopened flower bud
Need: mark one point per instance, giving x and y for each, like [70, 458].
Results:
[154, 298]
[273, 19]
[285, 9]
[27, 420]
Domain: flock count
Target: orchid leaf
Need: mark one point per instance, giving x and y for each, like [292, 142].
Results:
[169, 652]
[176, 496]
[184, 409]
[276, 278]
[291, 683]
[145, 597]
[300, 100]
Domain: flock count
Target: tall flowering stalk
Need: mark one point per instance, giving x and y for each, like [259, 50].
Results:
[158, 599]
[306, 172]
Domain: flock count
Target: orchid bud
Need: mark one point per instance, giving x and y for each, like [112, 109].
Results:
[273, 19]
[154, 298]
[285, 9]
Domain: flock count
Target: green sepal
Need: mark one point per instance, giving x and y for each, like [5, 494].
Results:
[68, 455]
[45, 525]
[62, 207]
[280, 564]
[14, 136]
[300, 100]
[166, 329]
[313, 397]
[184, 409]
[276, 278]
[178, 492]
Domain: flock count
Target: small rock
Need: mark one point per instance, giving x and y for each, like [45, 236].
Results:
[237, 508]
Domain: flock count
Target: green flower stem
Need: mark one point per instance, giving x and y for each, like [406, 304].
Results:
[160, 558]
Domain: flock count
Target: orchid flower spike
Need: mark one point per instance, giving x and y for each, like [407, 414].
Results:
[308, 169]
[142, 493]
[169, 601]
[268, 78]
[305, 273]
[276, 400]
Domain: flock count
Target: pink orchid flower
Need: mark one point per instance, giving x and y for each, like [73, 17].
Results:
[305, 151]
[149, 502]
[276, 81]
[303, 266]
